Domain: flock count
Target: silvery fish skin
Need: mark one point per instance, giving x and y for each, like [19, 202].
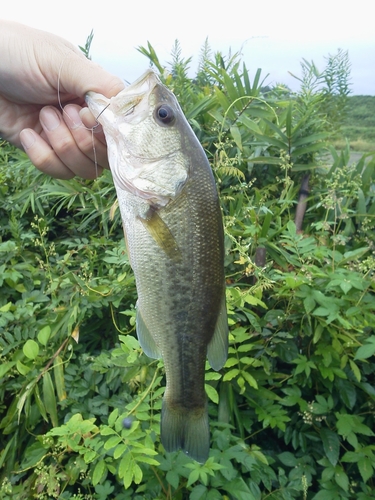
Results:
[173, 229]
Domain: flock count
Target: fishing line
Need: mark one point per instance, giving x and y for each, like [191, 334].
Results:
[83, 126]
[102, 111]
[92, 138]
[92, 129]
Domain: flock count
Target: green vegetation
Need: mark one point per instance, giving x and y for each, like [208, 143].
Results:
[359, 123]
[292, 412]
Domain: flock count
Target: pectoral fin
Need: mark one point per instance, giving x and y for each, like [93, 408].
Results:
[161, 234]
[126, 244]
[145, 338]
[217, 351]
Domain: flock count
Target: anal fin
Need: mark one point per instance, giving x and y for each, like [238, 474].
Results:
[217, 350]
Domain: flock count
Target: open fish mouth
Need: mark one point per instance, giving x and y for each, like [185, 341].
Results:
[128, 99]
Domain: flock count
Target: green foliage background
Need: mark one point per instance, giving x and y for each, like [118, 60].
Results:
[359, 123]
[292, 412]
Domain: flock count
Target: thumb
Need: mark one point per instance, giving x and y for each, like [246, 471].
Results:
[79, 75]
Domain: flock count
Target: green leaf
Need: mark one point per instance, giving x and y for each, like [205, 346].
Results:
[347, 392]
[303, 365]
[119, 450]
[137, 473]
[367, 350]
[352, 440]
[147, 460]
[230, 88]
[225, 103]
[351, 457]
[341, 478]
[112, 442]
[331, 445]
[310, 138]
[354, 255]
[39, 403]
[5, 367]
[193, 477]
[346, 286]
[143, 450]
[231, 361]
[365, 467]
[309, 304]
[113, 417]
[126, 470]
[21, 368]
[250, 124]
[322, 406]
[326, 495]
[89, 456]
[278, 131]
[239, 490]
[231, 374]
[212, 393]
[35, 453]
[58, 372]
[5, 307]
[31, 349]
[130, 342]
[107, 431]
[287, 459]
[44, 335]
[236, 134]
[49, 398]
[99, 471]
[346, 424]
[249, 379]
[197, 493]
[355, 370]
[313, 148]
[254, 301]
[173, 479]
[288, 120]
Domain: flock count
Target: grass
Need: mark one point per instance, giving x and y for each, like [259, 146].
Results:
[359, 125]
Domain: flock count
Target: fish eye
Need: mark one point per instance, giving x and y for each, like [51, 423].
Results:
[165, 114]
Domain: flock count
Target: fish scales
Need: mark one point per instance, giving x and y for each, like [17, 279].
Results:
[173, 228]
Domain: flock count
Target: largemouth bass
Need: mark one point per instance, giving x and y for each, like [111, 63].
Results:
[173, 229]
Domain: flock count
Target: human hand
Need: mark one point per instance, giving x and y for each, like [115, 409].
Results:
[38, 72]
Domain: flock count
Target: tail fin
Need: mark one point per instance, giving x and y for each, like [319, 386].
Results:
[188, 430]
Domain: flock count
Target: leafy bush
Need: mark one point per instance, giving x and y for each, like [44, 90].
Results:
[292, 411]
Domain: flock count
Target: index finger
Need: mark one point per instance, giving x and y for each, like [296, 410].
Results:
[89, 121]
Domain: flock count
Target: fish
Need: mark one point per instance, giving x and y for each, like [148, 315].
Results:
[173, 227]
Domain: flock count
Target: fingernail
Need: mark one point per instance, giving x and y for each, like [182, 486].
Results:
[27, 139]
[50, 118]
[74, 121]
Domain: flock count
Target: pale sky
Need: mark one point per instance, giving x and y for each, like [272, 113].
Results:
[272, 35]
